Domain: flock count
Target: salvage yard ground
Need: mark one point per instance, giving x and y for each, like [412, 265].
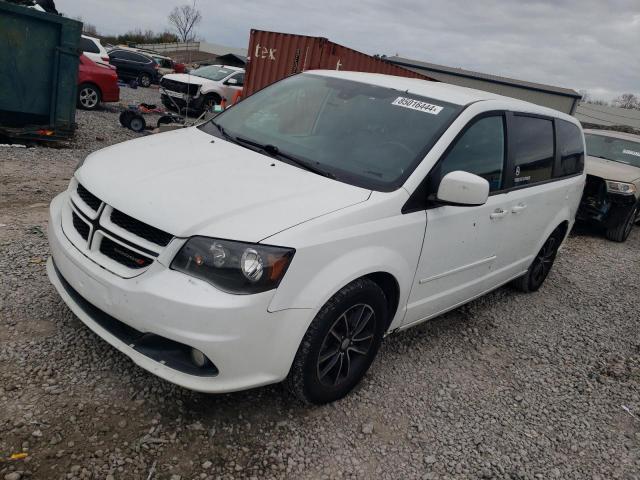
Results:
[511, 386]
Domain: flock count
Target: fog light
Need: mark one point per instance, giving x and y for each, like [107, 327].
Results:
[198, 358]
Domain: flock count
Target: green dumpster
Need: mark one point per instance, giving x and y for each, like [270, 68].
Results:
[38, 73]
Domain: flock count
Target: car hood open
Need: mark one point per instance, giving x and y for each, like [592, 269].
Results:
[610, 170]
[187, 182]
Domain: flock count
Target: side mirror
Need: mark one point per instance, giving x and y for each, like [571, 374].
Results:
[463, 189]
[231, 81]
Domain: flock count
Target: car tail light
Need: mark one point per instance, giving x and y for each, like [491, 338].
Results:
[105, 59]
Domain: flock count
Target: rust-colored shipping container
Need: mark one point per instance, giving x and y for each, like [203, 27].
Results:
[273, 56]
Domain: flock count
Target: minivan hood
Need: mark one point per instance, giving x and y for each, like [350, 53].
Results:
[187, 182]
[610, 170]
[192, 79]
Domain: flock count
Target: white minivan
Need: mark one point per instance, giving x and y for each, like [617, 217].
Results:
[286, 237]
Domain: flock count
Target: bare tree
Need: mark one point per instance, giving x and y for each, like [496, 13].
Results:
[590, 99]
[586, 96]
[627, 100]
[184, 20]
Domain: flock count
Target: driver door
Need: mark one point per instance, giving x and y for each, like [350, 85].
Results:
[461, 255]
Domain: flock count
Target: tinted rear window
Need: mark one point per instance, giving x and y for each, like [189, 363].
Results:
[533, 149]
[88, 46]
[571, 149]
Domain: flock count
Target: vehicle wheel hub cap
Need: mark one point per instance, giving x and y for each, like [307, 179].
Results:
[88, 98]
[347, 345]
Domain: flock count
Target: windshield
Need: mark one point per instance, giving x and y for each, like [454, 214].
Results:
[616, 149]
[212, 72]
[361, 134]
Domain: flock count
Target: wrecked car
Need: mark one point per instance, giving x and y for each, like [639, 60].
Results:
[611, 194]
[202, 88]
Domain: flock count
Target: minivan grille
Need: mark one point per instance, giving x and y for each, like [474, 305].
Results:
[141, 229]
[123, 255]
[81, 227]
[180, 87]
[120, 239]
[88, 197]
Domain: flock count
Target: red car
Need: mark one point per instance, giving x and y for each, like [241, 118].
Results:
[96, 83]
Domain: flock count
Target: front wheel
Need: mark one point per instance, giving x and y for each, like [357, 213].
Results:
[210, 101]
[340, 344]
[621, 231]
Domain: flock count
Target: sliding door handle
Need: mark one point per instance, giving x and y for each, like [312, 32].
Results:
[498, 213]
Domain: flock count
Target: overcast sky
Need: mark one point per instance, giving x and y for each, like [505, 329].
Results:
[580, 44]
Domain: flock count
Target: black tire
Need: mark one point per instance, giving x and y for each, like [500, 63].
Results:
[125, 118]
[144, 80]
[137, 123]
[340, 344]
[89, 96]
[540, 267]
[621, 231]
[210, 101]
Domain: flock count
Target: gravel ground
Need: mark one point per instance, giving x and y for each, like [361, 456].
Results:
[511, 386]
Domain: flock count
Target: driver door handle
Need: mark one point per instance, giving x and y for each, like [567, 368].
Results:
[498, 213]
[518, 208]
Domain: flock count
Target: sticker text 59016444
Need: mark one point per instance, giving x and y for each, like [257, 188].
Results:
[417, 105]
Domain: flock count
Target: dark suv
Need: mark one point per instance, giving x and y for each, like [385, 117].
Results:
[132, 65]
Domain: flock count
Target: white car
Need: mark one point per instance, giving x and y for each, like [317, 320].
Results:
[93, 49]
[286, 237]
[201, 88]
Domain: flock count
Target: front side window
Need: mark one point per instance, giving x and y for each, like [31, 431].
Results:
[533, 149]
[611, 148]
[240, 79]
[571, 149]
[480, 150]
[359, 133]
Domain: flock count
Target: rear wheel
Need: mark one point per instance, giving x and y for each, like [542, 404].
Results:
[145, 80]
[88, 97]
[621, 231]
[540, 267]
[340, 344]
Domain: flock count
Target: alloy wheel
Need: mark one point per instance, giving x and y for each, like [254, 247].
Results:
[346, 345]
[543, 261]
[88, 98]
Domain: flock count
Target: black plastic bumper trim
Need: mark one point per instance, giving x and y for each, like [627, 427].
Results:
[170, 353]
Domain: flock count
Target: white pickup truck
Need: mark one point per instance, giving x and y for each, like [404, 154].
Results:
[201, 88]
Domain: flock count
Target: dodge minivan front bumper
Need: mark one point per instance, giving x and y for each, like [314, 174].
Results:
[157, 317]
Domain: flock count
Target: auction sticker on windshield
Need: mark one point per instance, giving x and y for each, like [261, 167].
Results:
[417, 105]
[631, 152]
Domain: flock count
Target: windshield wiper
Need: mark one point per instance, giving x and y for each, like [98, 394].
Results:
[224, 133]
[274, 151]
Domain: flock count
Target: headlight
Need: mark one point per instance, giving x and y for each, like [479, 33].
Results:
[621, 187]
[235, 267]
